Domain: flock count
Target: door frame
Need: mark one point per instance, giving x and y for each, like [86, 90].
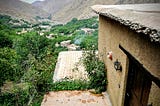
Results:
[137, 77]
[132, 58]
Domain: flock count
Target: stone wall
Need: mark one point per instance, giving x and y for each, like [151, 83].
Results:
[111, 34]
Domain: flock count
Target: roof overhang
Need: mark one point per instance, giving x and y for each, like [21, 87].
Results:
[142, 18]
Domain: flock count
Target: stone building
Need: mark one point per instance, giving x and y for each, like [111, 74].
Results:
[129, 43]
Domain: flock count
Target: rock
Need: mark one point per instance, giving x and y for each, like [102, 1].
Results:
[56, 45]
[73, 47]
[65, 43]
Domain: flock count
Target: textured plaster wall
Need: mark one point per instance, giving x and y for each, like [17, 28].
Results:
[154, 97]
[111, 34]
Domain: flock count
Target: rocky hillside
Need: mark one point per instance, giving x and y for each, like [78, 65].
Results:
[137, 1]
[65, 10]
[57, 10]
[51, 6]
[20, 9]
[78, 9]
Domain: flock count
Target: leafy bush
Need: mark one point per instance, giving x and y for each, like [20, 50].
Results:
[70, 85]
[95, 69]
[9, 69]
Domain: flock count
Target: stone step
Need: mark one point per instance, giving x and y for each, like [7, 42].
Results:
[74, 98]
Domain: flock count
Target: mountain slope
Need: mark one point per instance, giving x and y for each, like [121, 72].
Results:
[81, 8]
[20, 9]
[64, 10]
[137, 1]
[61, 10]
[78, 9]
[51, 6]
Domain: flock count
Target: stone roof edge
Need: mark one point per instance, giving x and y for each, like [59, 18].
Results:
[154, 34]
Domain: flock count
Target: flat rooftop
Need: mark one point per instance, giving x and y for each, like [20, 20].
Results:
[68, 67]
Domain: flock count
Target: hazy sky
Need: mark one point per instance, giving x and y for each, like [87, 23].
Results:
[31, 1]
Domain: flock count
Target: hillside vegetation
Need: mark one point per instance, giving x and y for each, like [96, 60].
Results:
[28, 59]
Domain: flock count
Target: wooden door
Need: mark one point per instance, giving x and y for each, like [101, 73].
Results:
[138, 86]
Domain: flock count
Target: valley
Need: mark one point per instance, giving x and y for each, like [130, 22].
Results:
[28, 55]
[32, 36]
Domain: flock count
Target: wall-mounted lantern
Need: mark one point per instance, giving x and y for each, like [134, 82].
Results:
[117, 65]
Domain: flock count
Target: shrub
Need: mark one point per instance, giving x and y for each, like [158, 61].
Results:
[96, 70]
[9, 68]
[70, 85]
[17, 95]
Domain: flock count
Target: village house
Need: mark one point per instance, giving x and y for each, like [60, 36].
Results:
[88, 30]
[129, 44]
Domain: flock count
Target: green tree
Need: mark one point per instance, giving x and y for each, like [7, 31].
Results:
[31, 43]
[9, 69]
[5, 41]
